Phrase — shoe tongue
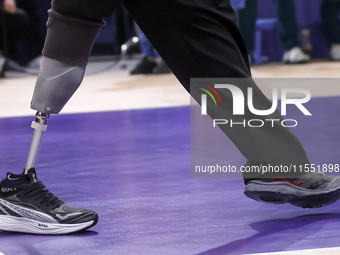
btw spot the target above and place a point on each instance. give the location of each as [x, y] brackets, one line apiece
[30, 176]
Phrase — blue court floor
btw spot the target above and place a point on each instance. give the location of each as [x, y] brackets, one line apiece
[132, 167]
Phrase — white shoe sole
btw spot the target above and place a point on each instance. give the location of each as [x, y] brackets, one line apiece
[282, 192]
[23, 225]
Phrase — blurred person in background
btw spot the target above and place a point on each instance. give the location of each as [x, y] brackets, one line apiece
[287, 24]
[32, 41]
[21, 23]
[330, 12]
[13, 23]
[151, 62]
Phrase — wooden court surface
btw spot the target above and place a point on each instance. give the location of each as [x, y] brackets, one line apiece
[115, 89]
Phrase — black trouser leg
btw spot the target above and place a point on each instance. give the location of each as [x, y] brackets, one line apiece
[200, 38]
[73, 27]
[197, 38]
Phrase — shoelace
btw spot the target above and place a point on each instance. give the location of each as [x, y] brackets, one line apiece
[40, 193]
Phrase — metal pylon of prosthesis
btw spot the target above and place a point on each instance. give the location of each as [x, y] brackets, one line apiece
[39, 126]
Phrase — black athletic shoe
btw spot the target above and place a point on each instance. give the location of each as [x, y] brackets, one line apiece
[313, 191]
[27, 206]
[146, 66]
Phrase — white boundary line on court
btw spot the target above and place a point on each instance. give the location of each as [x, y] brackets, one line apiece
[321, 251]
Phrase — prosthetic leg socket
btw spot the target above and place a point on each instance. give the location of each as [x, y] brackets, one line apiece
[56, 83]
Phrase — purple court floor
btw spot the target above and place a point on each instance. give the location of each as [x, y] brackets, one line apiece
[132, 167]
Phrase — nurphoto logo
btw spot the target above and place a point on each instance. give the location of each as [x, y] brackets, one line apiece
[241, 102]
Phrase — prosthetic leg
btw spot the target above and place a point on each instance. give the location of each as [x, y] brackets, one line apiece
[55, 85]
[36, 210]
[66, 51]
[72, 29]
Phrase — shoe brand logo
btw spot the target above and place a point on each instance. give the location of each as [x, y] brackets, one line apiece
[42, 225]
[12, 179]
[5, 190]
[67, 215]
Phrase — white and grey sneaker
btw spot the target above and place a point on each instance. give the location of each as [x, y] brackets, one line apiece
[335, 52]
[313, 190]
[26, 206]
[295, 56]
